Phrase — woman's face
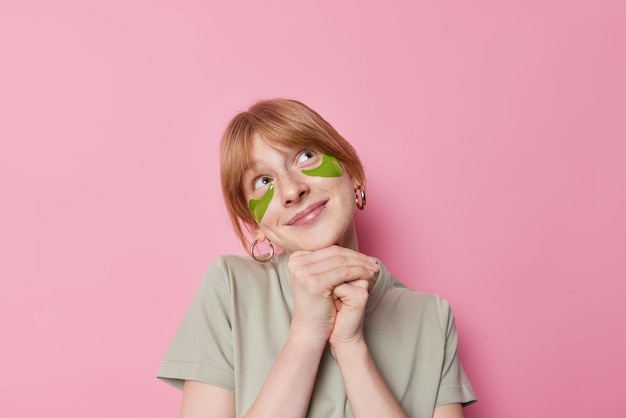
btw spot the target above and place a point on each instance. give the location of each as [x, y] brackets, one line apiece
[301, 198]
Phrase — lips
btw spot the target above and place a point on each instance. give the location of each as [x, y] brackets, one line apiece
[308, 215]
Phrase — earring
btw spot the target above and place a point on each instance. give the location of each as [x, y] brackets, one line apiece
[360, 198]
[267, 258]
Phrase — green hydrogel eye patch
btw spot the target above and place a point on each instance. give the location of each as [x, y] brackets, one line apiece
[258, 207]
[330, 167]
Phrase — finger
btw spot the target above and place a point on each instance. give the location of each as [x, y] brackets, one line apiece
[359, 284]
[314, 264]
[343, 274]
[330, 253]
[351, 296]
[363, 284]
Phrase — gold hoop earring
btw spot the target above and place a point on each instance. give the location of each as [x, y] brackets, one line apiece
[261, 260]
[359, 194]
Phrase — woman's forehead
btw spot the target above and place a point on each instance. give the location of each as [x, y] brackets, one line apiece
[284, 146]
[256, 152]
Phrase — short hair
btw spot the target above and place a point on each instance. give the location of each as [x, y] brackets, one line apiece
[283, 122]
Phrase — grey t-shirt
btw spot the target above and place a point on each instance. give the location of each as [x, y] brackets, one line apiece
[240, 318]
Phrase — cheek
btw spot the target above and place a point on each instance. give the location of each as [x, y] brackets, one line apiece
[259, 207]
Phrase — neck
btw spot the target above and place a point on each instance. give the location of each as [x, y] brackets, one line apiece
[350, 239]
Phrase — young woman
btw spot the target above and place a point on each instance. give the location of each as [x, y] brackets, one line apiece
[320, 330]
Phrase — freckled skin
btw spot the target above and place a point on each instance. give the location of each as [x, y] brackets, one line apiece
[259, 206]
[330, 167]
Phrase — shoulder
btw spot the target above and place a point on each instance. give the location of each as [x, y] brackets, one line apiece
[422, 306]
[242, 265]
[400, 293]
[434, 303]
[428, 301]
[232, 269]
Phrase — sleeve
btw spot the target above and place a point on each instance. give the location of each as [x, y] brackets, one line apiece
[202, 349]
[454, 386]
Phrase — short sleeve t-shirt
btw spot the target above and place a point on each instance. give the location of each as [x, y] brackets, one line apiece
[241, 315]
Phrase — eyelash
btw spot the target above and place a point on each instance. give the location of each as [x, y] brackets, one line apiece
[256, 181]
[307, 152]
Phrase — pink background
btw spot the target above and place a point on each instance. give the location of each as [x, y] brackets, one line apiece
[493, 134]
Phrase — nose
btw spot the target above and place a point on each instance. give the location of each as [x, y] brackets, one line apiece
[293, 189]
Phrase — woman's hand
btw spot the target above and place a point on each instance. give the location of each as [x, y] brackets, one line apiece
[330, 288]
[350, 304]
[314, 276]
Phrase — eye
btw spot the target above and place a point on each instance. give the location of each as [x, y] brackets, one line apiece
[261, 182]
[305, 156]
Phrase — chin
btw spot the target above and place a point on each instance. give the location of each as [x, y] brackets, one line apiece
[313, 239]
[318, 245]
[310, 245]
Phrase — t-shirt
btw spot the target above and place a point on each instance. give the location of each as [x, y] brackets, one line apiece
[241, 315]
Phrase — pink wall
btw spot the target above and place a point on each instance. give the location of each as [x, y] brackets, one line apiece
[493, 132]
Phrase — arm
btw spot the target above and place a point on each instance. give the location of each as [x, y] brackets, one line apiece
[285, 392]
[287, 389]
[367, 391]
[453, 410]
[201, 400]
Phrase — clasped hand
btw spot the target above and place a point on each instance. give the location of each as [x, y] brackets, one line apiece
[330, 292]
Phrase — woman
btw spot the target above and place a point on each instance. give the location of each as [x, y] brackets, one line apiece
[320, 330]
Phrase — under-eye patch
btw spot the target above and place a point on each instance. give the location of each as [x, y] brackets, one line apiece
[330, 167]
[259, 206]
